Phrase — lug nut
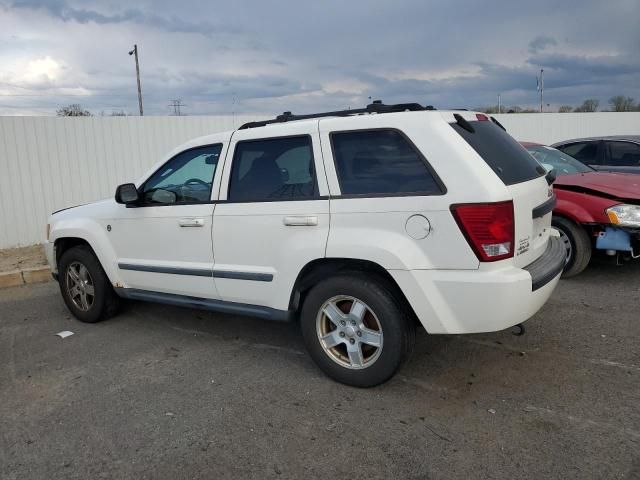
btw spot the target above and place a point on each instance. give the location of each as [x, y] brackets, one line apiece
[342, 334]
[343, 323]
[352, 341]
[353, 322]
[359, 333]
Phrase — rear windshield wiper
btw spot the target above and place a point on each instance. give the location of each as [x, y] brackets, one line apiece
[498, 123]
[463, 123]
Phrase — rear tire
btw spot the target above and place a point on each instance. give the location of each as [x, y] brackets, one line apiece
[85, 288]
[355, 330]
[578, 246]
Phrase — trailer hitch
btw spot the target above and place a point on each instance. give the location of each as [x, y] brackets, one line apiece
[519, 330]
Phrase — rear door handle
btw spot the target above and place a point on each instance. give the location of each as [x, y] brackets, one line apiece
[191, 222]
[300, 221]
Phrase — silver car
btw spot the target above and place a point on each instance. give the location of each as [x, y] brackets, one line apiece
[620, 153]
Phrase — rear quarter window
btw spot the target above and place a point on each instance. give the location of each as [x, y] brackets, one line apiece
[507, 158]
[381, 162]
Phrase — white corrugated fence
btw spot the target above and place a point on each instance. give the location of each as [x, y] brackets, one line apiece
[48, 163]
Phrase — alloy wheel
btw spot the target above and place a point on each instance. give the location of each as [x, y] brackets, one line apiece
[567, 245]
[80, 287]
[349, 332]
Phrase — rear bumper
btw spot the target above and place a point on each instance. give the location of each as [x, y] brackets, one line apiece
[475, 301]
[549, 265]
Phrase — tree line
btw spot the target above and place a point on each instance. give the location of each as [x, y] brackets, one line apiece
[617, 103]
[77, 110]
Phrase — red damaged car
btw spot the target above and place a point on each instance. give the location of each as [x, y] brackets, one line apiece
[595, 210]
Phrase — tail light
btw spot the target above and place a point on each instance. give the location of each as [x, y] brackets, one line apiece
[488, 227]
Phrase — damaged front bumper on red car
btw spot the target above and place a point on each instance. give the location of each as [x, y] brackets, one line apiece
[617, 239]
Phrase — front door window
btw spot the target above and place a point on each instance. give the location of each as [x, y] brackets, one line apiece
[186, 178]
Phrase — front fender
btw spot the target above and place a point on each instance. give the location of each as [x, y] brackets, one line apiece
[95, 234]
[582, 208]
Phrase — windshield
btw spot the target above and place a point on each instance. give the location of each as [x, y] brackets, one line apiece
[562, 163]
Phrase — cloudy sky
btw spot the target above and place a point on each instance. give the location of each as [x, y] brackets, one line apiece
[274, 55]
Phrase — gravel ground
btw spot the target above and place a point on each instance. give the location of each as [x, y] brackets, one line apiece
[163, 392]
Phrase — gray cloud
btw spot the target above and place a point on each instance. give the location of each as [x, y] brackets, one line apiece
[541, 42]
[62, 10]
[588, 68]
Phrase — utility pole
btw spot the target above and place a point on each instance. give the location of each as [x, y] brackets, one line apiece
[540, 81]
[135, 53]
[233, 109]
[499, 104]
[176, 104]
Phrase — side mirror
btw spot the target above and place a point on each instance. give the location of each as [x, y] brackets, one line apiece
[127, 193]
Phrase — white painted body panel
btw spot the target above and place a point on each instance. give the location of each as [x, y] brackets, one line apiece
[152, 237]
[88, 222]
[483, 300]
[532, 234]
[252, 238]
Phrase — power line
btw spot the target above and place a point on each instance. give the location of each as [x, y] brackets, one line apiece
[176, 104]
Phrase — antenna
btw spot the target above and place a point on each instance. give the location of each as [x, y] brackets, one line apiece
[176, 104]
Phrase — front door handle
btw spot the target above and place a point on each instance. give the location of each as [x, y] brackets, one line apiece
[300, 221]
[191, 222]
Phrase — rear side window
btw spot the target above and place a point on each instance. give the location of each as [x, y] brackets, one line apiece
[275, 169]
[508, 159]
[586, 152]
[370, 162]
[624, 154]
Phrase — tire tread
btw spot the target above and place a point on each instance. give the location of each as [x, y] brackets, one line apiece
[580, 243]
[110, 302]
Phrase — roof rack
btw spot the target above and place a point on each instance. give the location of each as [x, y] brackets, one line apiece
[375, 107]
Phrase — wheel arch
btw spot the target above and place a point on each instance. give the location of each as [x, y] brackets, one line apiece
[63, 244]
[322, 268]
[568, 218]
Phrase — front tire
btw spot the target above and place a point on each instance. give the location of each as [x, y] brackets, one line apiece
[356, 330]
[576, 242]
[85, 288]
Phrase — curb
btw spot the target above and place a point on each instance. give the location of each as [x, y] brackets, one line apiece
[16, 278]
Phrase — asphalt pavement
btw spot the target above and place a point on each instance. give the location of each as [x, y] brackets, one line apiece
[165, 393]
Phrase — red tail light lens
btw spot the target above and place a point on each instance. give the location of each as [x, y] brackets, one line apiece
[488, 227]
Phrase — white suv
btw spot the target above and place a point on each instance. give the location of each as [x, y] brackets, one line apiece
[362, 224]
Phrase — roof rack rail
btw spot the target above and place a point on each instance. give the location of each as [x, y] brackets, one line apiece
[375, 107]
